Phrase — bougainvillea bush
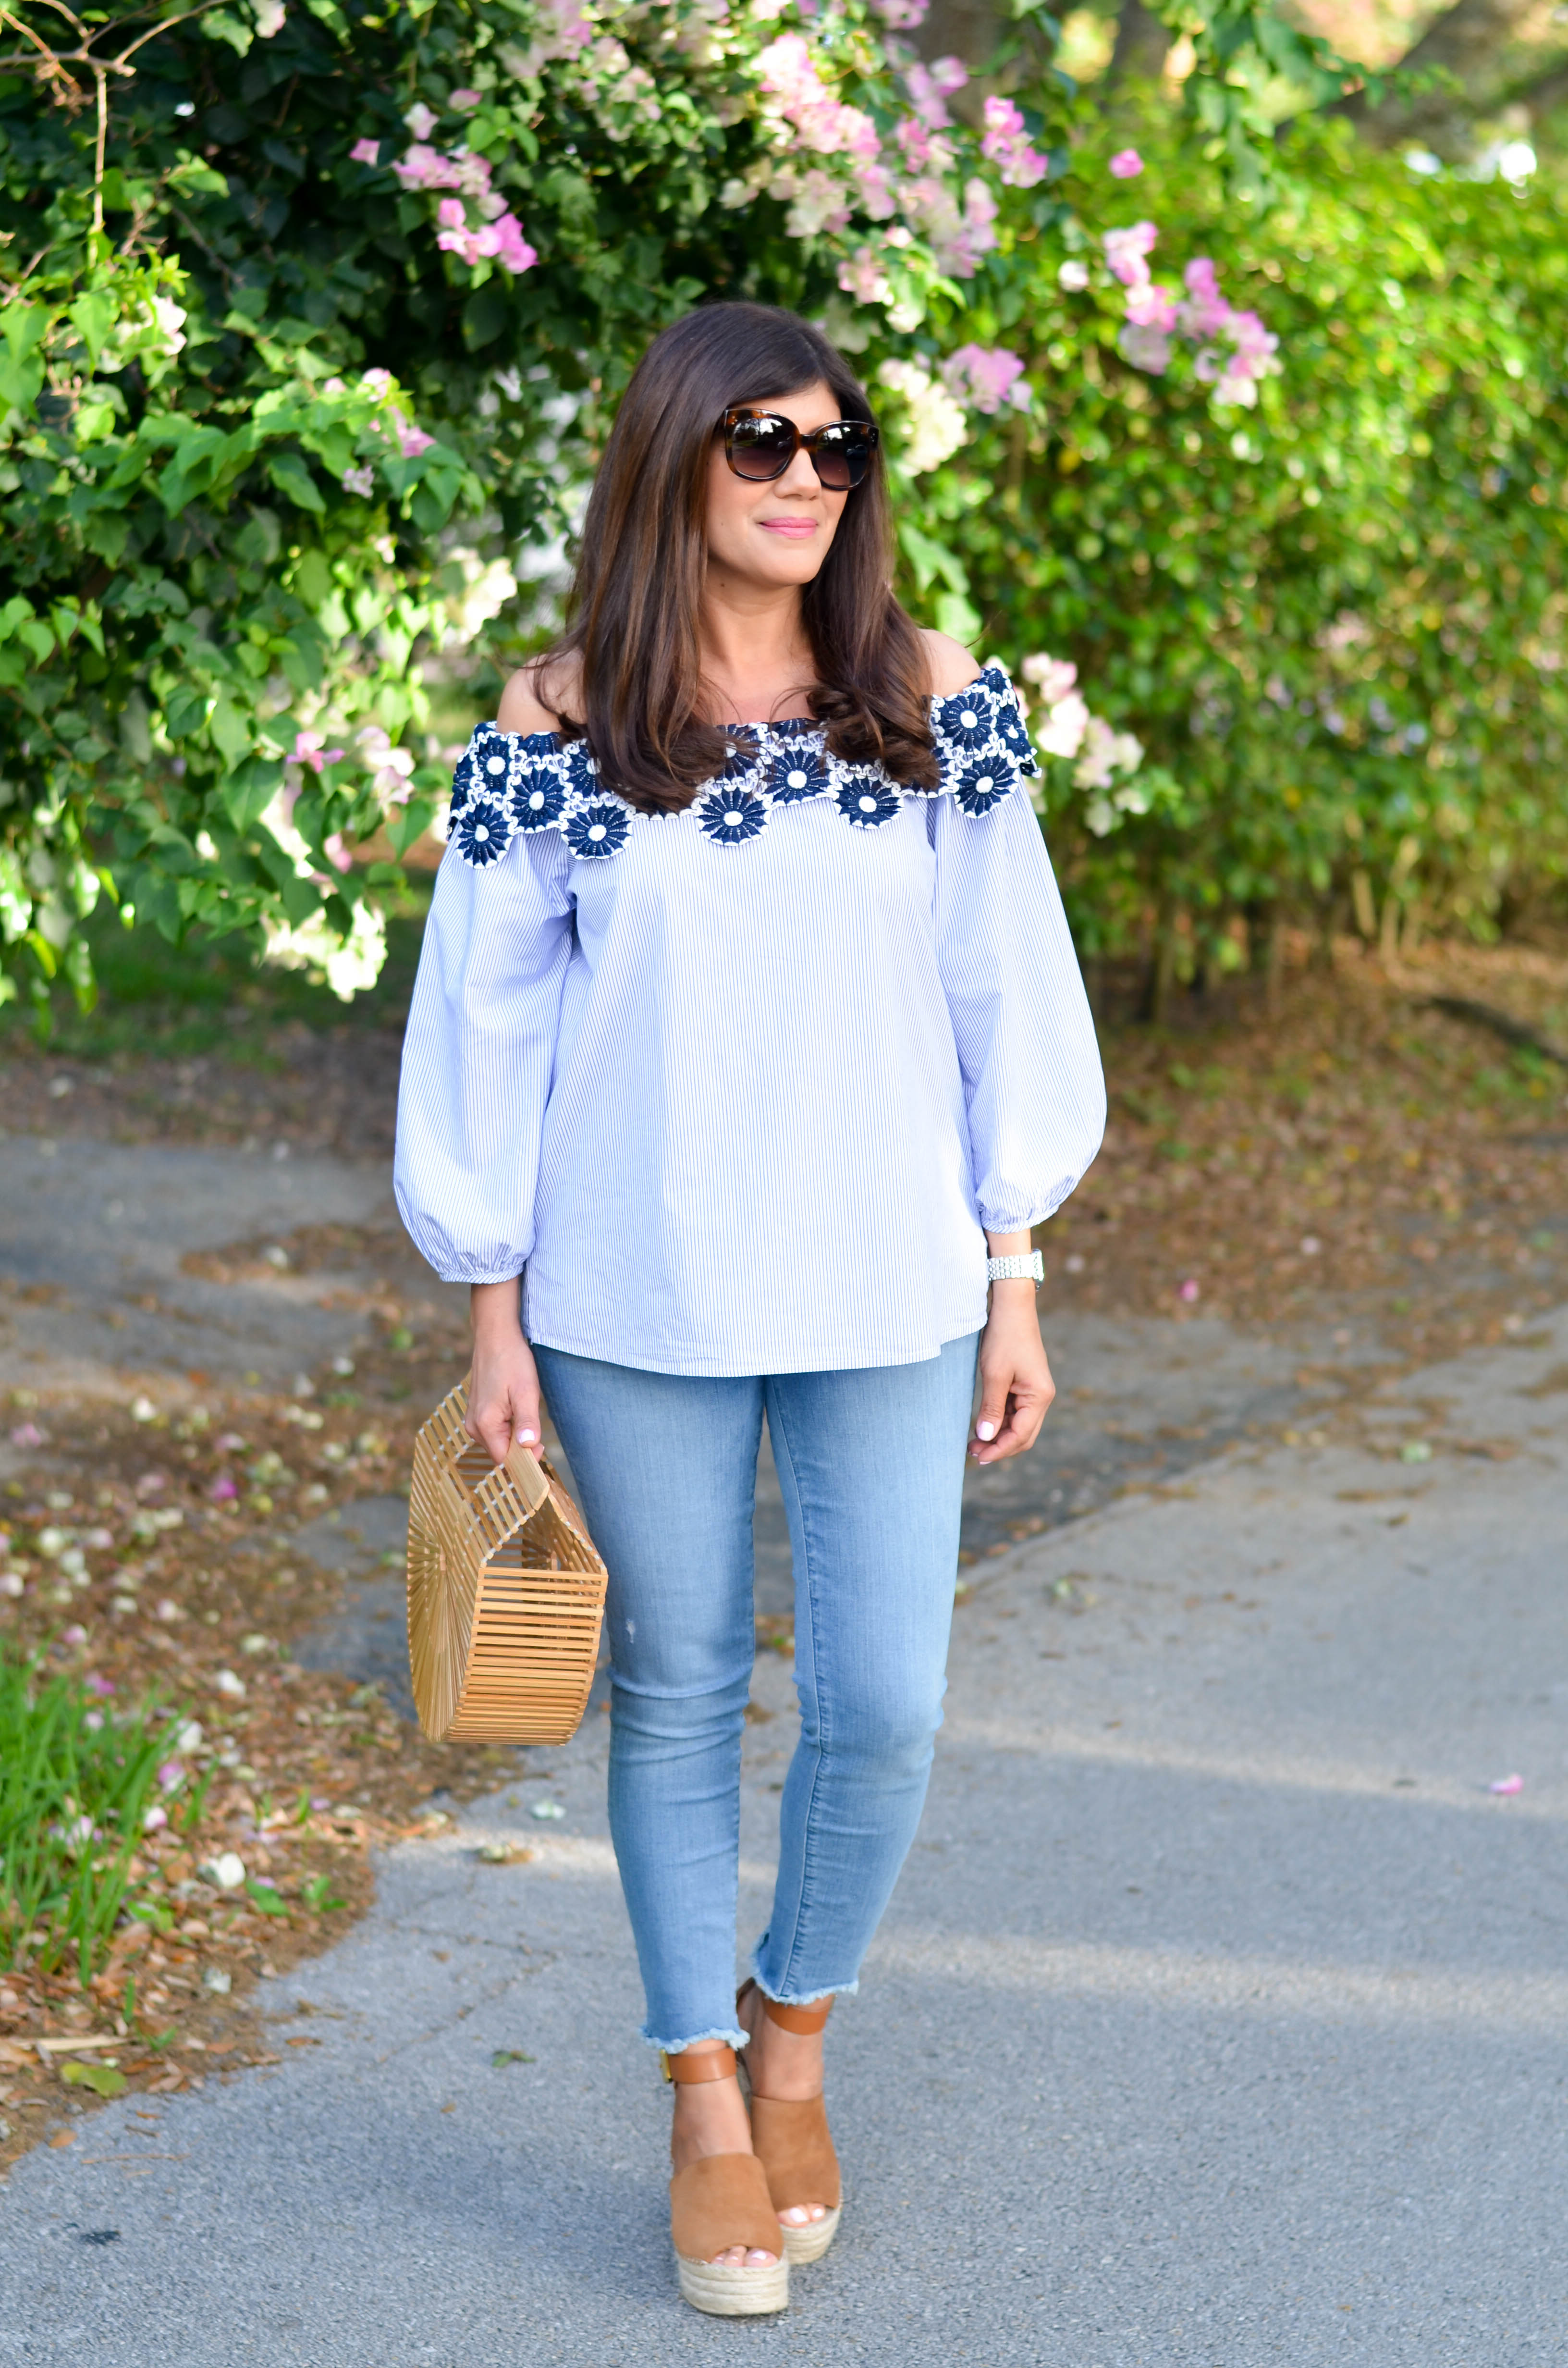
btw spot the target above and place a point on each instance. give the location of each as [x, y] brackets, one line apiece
[1286, 513]
[313, 323]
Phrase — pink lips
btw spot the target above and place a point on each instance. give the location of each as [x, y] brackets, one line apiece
[797, 529]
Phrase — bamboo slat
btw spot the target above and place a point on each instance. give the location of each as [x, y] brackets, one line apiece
[505, 1592]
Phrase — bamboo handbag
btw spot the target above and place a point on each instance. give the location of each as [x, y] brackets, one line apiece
[505, 1592]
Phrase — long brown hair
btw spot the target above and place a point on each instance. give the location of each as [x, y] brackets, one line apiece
[634, 605]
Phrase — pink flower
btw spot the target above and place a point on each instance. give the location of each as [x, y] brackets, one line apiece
[876, 198]
[1206, 312]
[1150, 307]
[171, 1775]
[27, 1434]
[1189, 1290]
[75, 1635]
[862, 277]
[501, 238]
[377, 383]
[931, 86]
[977, 238]
[1126, 165]
[512, 250]
[789, 72]
[101, 1686]
[987, 377]
[463, 101]
[224, 1489]
[365, 152]
[922, 148]
[1053, 677]
[410, 442]
[155, 1819]
[1125, 251]
[426, 168]
[1007, 146]
[336, 854]
[308, 750]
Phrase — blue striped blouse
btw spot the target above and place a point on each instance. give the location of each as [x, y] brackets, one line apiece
[737, 1089]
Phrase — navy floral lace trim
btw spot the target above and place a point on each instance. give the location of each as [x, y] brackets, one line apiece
[511, 781]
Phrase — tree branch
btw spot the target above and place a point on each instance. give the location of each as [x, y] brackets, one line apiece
[1142, 45]
[1471, 42]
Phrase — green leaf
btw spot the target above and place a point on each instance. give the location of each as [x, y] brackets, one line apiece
[104, 2080]
[267, 1898]
[485, 316]
[94, 315]
[186, 711]
[218, 25]
[930, 559]
[230, 731]
[957, 617]
[292, 479]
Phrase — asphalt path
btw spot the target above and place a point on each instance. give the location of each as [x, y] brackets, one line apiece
[1221, 2016]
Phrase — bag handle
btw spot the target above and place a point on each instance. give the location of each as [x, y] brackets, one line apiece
[521, 1467]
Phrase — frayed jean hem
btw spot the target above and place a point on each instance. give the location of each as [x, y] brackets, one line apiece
[801, 1998]
[733, 2037]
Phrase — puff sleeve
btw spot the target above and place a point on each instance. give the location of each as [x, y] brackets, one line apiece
[1033, 1085]
[479, 1056]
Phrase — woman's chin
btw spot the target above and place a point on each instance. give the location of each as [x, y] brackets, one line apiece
[785, 565]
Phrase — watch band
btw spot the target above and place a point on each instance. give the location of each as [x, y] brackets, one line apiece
[1007, 1270]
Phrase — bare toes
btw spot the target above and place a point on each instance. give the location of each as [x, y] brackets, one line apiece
[759, 2260]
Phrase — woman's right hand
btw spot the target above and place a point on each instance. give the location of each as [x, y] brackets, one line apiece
[503, 1383]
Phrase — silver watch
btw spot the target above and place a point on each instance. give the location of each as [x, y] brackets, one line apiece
[1006, 1269]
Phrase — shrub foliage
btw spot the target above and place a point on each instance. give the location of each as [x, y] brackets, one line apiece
[313, 319]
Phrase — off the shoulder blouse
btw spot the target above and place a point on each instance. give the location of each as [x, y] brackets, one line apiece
[736, 1090]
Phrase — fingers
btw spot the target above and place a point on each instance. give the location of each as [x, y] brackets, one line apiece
[993, 1410]
[1013, 1404]
[501, 1414]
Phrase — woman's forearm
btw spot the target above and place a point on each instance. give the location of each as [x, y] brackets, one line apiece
[503, 1386]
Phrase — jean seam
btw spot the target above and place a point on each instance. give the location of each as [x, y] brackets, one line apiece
[780, 1438]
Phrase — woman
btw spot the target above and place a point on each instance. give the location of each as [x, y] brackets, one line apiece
[746, 1022]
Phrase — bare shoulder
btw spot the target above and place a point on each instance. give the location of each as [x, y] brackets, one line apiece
[952, 666]
[540, 694]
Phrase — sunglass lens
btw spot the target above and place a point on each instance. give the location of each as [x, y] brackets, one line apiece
[842, 457]
[760, 448]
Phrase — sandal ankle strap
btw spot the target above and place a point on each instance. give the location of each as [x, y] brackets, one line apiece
[713, 2063]
[801, 2019]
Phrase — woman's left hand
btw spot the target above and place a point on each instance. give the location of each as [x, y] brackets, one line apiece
[1016, 1387]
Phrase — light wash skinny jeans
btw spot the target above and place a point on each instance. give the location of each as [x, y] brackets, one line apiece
[871, 1467]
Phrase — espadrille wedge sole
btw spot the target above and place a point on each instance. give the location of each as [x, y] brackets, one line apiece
[718, 2201]
[724, 2292]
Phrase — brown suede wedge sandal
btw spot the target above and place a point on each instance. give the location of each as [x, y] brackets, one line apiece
[719, 2201]
[794, 2143]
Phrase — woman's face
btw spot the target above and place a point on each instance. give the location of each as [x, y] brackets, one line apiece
[776, 534]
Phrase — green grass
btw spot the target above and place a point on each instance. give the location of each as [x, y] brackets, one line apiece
[211, 996]
[78, 1777]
